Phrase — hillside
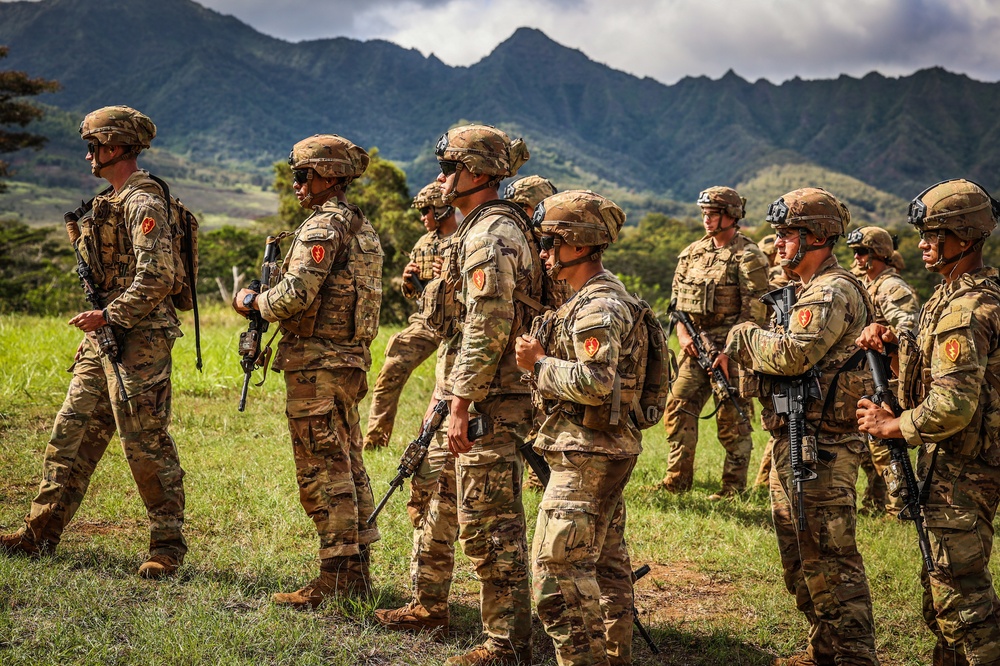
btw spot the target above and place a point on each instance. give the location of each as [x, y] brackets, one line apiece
[227, 96]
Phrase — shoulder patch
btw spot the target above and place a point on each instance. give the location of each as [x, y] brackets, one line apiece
[952, 349]
[592, 345]
[148, 224]
[804, 316]
[318, 252]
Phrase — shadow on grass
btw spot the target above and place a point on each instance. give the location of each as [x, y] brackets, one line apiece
[751, 509]
[685, 648]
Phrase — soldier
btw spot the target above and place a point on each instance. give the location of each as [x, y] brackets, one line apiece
[949, 391]
[718, 280]
[822, 566]
[127, 243]
[327, 305]
[896, 306]
[585, 372]
[499, 280]
[411, 346]
[528, 192]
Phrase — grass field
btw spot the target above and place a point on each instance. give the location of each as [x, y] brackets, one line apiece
[715, 595]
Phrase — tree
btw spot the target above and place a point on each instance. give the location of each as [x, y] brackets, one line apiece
[15, 112]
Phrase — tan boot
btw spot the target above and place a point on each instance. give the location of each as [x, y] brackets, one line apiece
[412, 617]
[488, 654]
[19, 543]
[799, 659]
[338, 577]
[158, 566]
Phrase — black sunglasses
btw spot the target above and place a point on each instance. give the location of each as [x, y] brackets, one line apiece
[449, 167]
[300, 176]
[424, 210]
[93, 147]
[861, 251]
[546, 243]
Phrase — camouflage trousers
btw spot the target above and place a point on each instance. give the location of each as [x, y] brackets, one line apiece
[688, 396]
[433, 510]
[405, 351]
[582, 576]
[876, 499]
[89, 417]
[491, 520]
[334, 489]
[960, 603]
[764, 472]
[822, 566]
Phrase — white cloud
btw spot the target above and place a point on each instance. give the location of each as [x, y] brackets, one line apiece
[670, 39]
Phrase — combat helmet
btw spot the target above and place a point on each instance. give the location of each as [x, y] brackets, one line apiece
[809, 209]
[482, 149]
[117, 126]
[725, 199]
[874, 239]
[960, 206]
[430, 196]
[529, 191]
[579, 218]
[329, 156]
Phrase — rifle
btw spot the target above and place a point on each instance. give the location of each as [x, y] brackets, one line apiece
[250, 339]
[903, 482]
[790, 398]
[706, 356]
[415, 452]
[636, 575]
[416, 283]
[107, 341]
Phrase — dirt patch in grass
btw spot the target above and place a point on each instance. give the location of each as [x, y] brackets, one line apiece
[88, 528]
[678, 592]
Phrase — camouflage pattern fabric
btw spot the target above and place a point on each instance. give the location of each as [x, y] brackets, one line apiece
[776, 278]
[405, 350]
[433, 510]
[427, 248]
[822, 566]
[764, 471]
[718, 287]
[334, 489]
[952, 415]
[89, 417]
[897, 304]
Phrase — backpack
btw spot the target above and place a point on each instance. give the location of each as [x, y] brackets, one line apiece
[654, 371]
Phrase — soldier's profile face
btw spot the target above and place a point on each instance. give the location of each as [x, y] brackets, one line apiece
[711, 218]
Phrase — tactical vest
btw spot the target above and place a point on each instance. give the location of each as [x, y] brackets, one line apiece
[709, 287]
[427, 249]
[437, 300]
[982, 436]
[346, 309]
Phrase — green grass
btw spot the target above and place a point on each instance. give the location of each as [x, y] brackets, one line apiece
[715, 596]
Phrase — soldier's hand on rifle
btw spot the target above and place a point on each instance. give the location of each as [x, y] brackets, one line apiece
[722, 363]
[686, 343]
[412, 268]
[877, 421]
[88, 321]
[240, 302]
[458, 427]
[875, 335]
[527, 351]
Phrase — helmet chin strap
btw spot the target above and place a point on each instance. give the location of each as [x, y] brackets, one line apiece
[800, 254]
[455, 194]
[322, 196]
[718, 230]
[99, 166]
[557, 265]
[444, 214]
[943, 261]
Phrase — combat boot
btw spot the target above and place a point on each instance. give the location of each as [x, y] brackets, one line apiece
[412, 617]
[799, 659]
[338, 577]
[20, 543]
[489, 654]
[159, 566]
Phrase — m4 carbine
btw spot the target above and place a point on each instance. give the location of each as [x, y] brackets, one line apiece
[251, 355]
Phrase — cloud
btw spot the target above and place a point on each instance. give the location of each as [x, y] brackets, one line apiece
[670, 39]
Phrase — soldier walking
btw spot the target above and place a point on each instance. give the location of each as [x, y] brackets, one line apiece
[718, 281]
[127, 244]
[327, 305]
[950, 393]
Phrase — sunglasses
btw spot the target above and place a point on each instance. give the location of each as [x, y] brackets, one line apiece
[449, 167]
[861, 251]
[300, 176]
[546, 243]
[93, 147]
[424, 210]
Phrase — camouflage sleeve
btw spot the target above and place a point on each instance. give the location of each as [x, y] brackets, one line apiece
[753, 284]
[146, 216]
[491, 263]
[309, 260]
[598, 330]
[958, 366]
[900, 304]
[819, 319]
[681, 270]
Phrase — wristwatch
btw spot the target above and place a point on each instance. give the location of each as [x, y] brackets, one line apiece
[538, 366]
[248, 300]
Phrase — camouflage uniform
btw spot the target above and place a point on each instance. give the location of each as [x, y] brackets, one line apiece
[328, 317]
[897, 306]
[718, 287]
[955, 421]
[128, 245]
[406, 349]
[582, 572]
[822, 566]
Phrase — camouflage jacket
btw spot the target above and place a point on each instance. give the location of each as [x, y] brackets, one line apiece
[583, 353]
[719, 287]
[949, 399]
[127, 243]
[330, 291]
[896, 302]
[776, 278]
[427, 248]
[493, 259]
[828, 316]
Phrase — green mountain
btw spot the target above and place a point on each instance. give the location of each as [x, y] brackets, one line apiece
[224, 95]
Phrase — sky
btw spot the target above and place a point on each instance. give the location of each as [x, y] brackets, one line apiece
[669, 39]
